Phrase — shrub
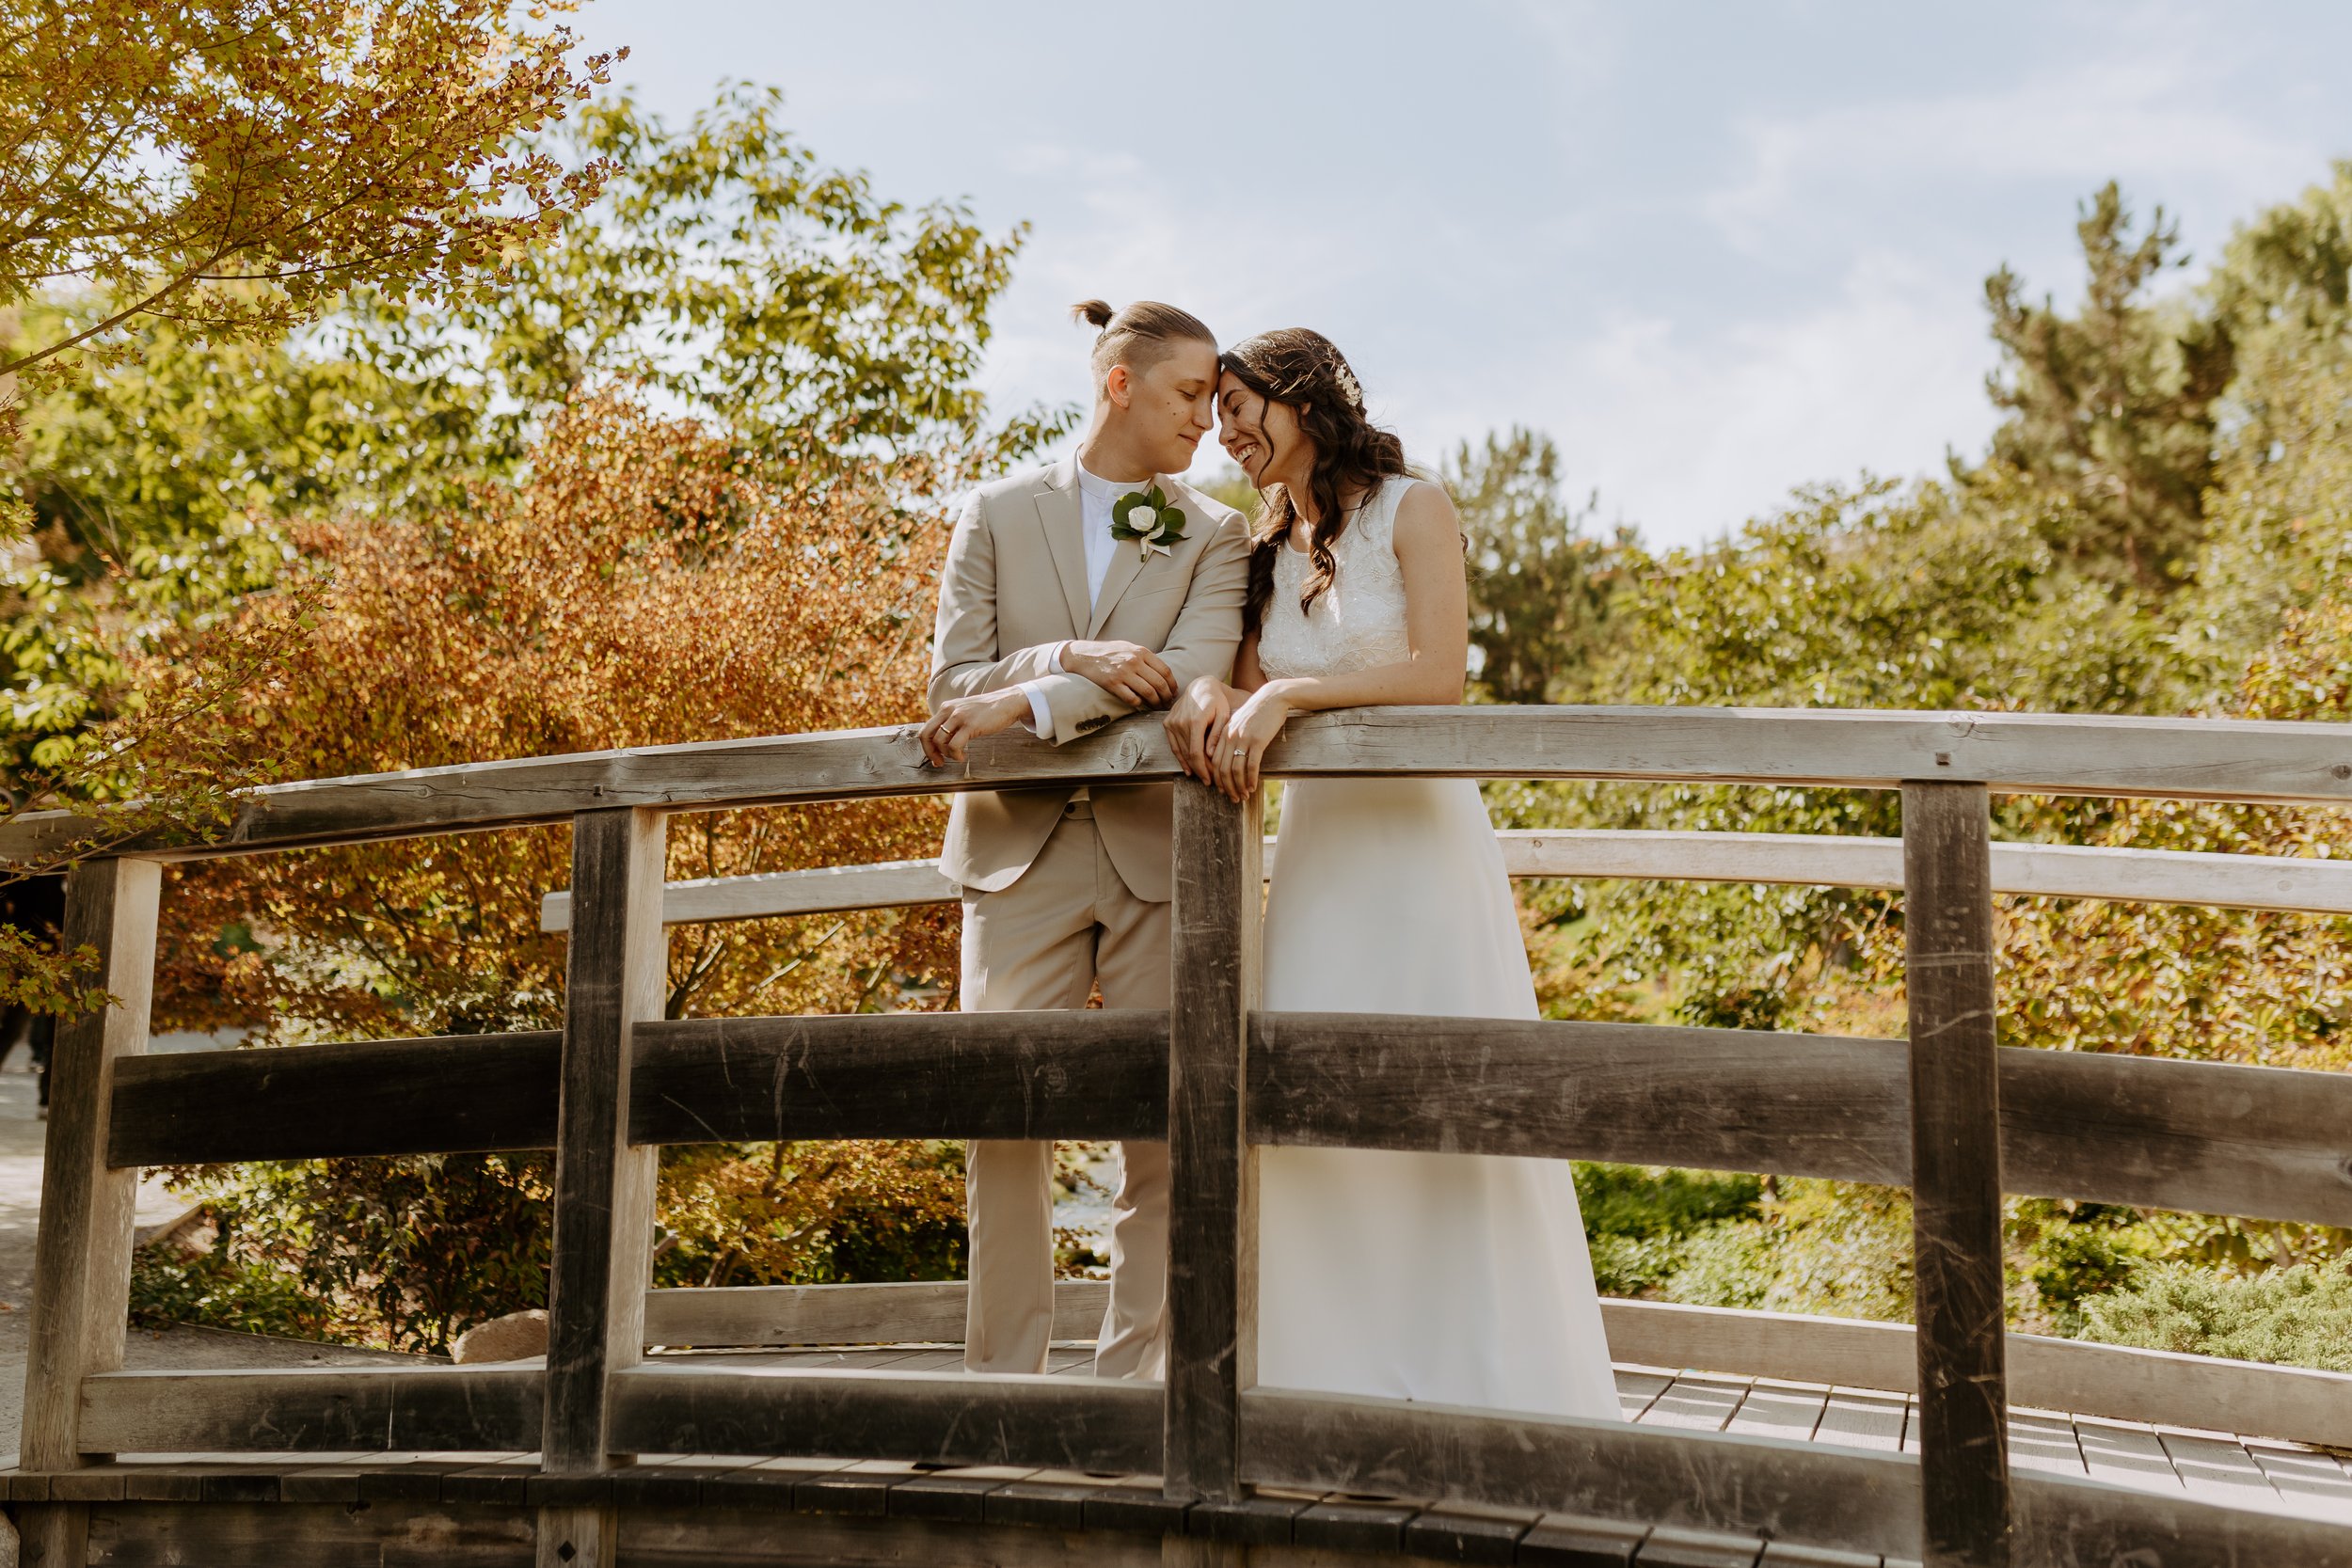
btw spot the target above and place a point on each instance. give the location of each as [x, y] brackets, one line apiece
[2299, 1316]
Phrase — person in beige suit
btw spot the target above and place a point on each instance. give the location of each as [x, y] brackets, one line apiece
[1053, 616]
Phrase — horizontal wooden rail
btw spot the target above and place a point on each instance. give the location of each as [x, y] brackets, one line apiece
[1095, 1074]
[1076, 1074]
[2297, 1404]
[2261, 1143]
[915, 1312]
[349, 1409]
[962, 1418]
[1807, 1494]
[449, 1094]
[2266, 1143]
[1804, 860]
[2078, 1376]
[2286, 763]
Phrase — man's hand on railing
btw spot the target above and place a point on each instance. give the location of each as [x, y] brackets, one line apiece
[960, 720]
[1128, 671]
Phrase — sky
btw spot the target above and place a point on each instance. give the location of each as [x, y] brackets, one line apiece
[1716, 251]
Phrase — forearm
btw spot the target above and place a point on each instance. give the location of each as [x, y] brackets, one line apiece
[978, 678]
[1411, 682]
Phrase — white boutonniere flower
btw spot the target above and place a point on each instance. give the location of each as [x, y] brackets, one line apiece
[1148, 519]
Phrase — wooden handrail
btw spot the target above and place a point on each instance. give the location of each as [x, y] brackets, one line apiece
[2209, 759]
[2296, 883]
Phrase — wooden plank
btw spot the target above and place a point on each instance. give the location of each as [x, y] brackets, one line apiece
[1696, 1404]
[2288, 763]
[734, 1538]
[2010, 753]
[445, 1094]
[2200, 1137]
[2310, 1483]
[1791, 1345]
[604, 1186]
[2218, 1470]
[1800, 1491]
[1637, 1390]
[2063, 1521]
[1719, 1099]
[773, 895]
[920, 1312]
[2046, 870]
[2045, 1442]
[958, 1420]
[366, 1408]
[1956, 1181]
[1098, 1074]
[81, 1250]
[1213, 1221]
[1862, 1419]
[2125, 1453]
[314, 1535]
[2131, 1383]
[2122, 1382]
[1805, 859]
[1777, 1408]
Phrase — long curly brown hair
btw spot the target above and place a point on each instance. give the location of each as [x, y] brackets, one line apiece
[1305, 371]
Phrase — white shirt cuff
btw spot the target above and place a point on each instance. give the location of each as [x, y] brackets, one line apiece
[1053, 660]
[1041, 716]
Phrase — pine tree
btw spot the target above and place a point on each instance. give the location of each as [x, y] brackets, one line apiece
[2111, 409]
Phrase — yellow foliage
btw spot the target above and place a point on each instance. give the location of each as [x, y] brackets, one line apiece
[638, 588]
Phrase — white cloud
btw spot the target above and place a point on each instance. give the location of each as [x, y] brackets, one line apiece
[2150, 114]
[1691, 435]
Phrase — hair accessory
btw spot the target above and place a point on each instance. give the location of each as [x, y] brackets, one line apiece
[1353, 394]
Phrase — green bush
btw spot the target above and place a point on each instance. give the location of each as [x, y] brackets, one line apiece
[2299, 1316]
[404, 1253]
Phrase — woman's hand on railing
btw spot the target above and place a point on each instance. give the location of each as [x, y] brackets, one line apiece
[1197, 723]
[1247, 733]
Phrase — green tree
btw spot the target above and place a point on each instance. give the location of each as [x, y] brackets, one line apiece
[732, 276]
[2111, 410]
[1541, 587]
[239, 165]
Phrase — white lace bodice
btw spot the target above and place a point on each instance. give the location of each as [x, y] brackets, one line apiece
[1358, 623]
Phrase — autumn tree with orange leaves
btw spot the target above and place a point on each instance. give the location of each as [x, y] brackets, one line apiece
[640, 587]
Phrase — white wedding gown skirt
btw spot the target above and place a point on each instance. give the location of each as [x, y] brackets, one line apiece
[1451, 1278]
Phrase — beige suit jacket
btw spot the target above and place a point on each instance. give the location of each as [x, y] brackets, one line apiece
[1015, 585]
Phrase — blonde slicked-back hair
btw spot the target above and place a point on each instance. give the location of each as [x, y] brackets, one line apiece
[1140, 336]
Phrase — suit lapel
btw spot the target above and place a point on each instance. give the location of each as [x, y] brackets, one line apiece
[1126, 563]
[1064, 521]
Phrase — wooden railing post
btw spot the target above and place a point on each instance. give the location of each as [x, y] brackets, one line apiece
[82, 1254]
[604, 1189]
[1956, 1175]
[1212, 1222]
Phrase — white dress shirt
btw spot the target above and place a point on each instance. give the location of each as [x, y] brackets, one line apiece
[1096, 496]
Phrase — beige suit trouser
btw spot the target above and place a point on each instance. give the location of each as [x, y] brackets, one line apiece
[1068, 924]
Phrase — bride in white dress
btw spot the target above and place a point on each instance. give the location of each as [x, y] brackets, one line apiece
[1451, 1278]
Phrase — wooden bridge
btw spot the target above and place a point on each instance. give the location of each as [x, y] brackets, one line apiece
[1757, 1439]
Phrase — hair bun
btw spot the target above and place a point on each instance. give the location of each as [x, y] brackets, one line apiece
[1096, 313]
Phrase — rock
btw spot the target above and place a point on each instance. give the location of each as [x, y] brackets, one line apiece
[514, 1337]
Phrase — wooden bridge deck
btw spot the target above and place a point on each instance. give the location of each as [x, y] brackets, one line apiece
[2235, 1469]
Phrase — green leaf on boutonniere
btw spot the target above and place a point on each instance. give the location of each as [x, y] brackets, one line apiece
[1148, 519]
